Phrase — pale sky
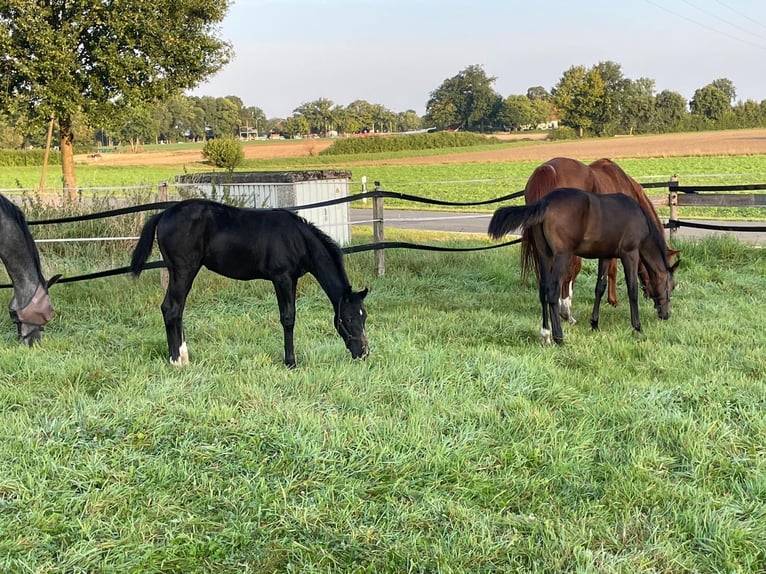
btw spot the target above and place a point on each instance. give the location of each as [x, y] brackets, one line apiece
[396, 52]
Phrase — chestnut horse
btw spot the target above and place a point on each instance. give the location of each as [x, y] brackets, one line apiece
[570, 222]
[603, 176]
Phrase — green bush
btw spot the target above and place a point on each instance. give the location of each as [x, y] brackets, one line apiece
[563, 133]
[389, 143]
[224, 152]
[23, 157]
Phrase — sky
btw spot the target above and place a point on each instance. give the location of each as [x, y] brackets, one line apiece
[396, 52]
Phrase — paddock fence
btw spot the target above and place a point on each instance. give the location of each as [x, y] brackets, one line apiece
[677, 198]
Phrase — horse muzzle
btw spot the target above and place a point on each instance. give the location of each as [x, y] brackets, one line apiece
[31, 318]
[359, 348]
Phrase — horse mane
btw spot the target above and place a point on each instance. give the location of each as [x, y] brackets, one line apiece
[623, 183]
[14, 212]
[325, 240]
[656, 235]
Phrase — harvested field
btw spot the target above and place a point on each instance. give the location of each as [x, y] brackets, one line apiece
[728, 142]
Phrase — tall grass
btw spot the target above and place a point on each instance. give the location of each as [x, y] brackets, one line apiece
[460, 445]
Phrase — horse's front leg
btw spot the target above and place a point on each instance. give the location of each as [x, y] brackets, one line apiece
[630, 264]
[601, 282]
[611, 274]
[285, 288]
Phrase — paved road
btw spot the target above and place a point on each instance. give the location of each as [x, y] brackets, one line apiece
[478, 222]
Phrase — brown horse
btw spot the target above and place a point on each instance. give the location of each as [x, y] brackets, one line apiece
[603, 176]
[570, 222]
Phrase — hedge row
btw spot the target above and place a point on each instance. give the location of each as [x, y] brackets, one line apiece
[404, 142]
[23, 157]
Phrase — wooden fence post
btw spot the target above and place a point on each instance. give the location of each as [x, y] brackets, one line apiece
[378, 232]
[673, 202]
[162, 193]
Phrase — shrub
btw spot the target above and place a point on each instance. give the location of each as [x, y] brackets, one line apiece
[21, 158]
[390, 143]
[224, 152]
[563, 133]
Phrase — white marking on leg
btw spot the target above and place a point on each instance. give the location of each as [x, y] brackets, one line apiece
[545, 336]
[565, 306]
[183, 356]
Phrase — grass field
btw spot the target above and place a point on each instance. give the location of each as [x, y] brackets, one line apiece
[460, 445]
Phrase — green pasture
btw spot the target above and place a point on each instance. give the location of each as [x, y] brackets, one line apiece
[460, 445]
[462, 182]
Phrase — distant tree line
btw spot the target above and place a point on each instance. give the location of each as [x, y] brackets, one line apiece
[596, 101]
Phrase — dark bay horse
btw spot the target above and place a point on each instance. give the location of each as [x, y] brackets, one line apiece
[30, 308]
[246, 244]
[603, 176]
[570, 222]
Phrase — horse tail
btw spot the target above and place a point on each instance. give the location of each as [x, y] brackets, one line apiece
[144, 246]
[507, 219]
[540, 183]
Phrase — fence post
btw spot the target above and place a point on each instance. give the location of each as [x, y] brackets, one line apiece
[378, 232]
[162, 192]
[673, 202]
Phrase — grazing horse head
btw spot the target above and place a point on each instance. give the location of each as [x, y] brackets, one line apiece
[350, 318]
[31, 318]
[30, 307]
[659, 287]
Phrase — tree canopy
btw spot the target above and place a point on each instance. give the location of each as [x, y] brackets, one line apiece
[61, 58]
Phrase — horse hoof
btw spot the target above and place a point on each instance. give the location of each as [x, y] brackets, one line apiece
[594, 325]
[545, 337]
[558, 340]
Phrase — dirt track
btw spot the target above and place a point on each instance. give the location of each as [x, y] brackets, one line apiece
[730, 142]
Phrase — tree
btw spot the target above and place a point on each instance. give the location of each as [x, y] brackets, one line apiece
[710, 103]
[610, 109]
[538, 93]
[670, 109]
[408, 121]
[64, 57]
[320, 115]
[577, 96]
[295, 125]
[466, 99]
[726, 86]
[517, 112]
[637, 107]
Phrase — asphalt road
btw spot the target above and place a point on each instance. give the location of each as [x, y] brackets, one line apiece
[477, 223]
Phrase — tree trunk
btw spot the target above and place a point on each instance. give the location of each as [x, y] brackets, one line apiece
[67, 157]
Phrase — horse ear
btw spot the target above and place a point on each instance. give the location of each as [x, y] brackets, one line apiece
[364, 292]
[53, 280]
[673, 252]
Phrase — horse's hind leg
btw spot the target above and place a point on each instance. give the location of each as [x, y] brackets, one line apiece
[285, 289]
[559, 268]
[611, 275]
[545, 331]
[601, 283]
[172, 307]
[567, 290]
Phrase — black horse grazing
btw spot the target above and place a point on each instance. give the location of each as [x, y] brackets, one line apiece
[246, 244]
[30, 308]
[571, 222]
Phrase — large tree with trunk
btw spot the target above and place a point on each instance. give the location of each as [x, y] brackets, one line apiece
[63, 58]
